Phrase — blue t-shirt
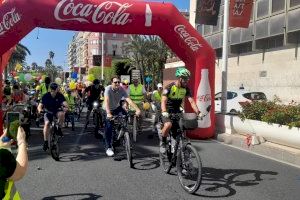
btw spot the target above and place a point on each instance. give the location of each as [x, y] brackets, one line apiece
[53, 104]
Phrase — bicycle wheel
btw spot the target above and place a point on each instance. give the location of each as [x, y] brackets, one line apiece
[128, 148]
[53, 144]
[189, 168]
[134, 128]
[166, 160]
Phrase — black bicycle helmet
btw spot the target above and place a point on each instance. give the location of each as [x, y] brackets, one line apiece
[47, 80]
[53, 86]
[96, 82]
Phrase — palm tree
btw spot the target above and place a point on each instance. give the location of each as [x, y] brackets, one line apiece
[149, 54]
[51, 56]
[18, 56]
[34, 66]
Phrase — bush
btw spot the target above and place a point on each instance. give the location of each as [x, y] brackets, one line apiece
[272, 112]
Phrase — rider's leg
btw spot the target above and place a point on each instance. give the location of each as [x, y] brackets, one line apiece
[167, 125]
[88, 116]
[108, 137]
[61, 118]
[46, 131]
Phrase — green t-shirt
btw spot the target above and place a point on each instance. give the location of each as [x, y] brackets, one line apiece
[8, 165]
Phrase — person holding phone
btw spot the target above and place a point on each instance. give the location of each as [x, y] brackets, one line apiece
[53, 102]
[12, 169]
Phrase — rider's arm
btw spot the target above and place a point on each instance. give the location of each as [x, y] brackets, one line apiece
[106, 103]
[40, 107]
[164, 100]
[131, 103]
[194, 105]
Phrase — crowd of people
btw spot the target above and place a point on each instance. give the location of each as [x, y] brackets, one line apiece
[53, 100]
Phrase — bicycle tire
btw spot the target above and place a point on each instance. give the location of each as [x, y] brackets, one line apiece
[190, 172]
[97, 125]
[134, 127]
[166, 160]
[53, 144]
[128, 148]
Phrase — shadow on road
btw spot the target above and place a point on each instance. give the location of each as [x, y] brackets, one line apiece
[218, 183]
[81, 196]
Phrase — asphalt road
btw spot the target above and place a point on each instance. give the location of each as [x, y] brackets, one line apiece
[85, 172]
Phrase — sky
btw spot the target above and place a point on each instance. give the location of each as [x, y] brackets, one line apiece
[41, 41]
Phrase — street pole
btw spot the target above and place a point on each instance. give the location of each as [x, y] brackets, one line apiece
[225, 58]
[102, 55]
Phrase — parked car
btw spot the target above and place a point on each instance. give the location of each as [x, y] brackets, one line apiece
[235, 99]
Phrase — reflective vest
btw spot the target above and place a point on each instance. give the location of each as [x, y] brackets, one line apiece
[156, 96]
[43, 90]
[71, 101]
[136, 93]
[11, 192]
[177, 93]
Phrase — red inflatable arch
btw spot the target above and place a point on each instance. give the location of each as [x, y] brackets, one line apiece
[19, 17]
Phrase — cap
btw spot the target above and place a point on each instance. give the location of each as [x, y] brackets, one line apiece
[159, 85]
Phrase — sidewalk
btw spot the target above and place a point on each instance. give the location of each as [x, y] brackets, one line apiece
[269, 150]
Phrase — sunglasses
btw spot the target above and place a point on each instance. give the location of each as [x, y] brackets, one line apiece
[117, 82]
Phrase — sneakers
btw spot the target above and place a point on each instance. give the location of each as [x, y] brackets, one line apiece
[109, 152]
[59, 132]
[45, 146]
[162, 148]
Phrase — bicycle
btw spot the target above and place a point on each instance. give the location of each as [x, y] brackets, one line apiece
[180, 153]
[53, 140]
[120, 127]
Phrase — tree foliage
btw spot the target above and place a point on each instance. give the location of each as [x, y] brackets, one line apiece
[148, 54]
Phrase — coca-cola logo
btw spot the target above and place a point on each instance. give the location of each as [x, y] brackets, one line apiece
[204, 98]
[238, 8]
[192, 42]
[67, 10]
[9, 20]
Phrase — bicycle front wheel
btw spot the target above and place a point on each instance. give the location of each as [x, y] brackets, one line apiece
[128, 148]
[54, 147]
[189, 168]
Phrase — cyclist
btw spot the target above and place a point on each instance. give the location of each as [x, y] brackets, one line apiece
[43, 88]
[138, 95]
[52, 101]
[156, 102]
[112, 98]
[172, 98]
[94, 92]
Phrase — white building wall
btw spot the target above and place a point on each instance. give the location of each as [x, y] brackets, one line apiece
[282, 74]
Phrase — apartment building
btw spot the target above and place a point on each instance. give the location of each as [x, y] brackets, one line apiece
[85, 49]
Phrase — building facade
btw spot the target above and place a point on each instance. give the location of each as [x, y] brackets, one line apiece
[263, 57]
[85, 49]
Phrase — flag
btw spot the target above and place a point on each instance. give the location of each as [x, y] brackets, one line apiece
[207, 12]
[240, 12]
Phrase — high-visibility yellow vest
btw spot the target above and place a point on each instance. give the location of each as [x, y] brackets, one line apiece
[156, 96]
[136, 93]
[11, 192]
[71, 101]
[43, 90]
[177, 93]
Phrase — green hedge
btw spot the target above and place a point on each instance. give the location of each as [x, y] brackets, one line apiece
[272, 112]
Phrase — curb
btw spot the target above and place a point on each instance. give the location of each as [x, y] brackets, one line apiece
[280, 153]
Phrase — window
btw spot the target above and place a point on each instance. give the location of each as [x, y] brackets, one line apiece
[97, 34]
[94, 51]
[114, 35]
[262, 8]
[294, 3]
[277, 5]
[125, 35]
[255, 96]
[207, 29]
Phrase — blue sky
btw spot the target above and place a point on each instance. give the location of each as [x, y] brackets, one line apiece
[57, 41]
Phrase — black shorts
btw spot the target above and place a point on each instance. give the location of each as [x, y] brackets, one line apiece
[175, 125]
